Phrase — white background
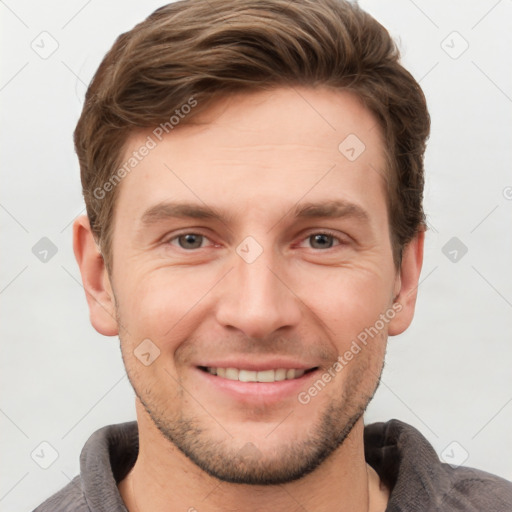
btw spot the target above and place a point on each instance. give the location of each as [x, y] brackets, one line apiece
[449, 375]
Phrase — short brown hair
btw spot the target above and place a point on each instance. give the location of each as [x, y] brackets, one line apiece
[205, 49]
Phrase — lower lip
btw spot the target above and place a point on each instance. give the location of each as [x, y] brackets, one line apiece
[268, 391]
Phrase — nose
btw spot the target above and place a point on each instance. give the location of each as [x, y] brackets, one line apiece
[257, 299]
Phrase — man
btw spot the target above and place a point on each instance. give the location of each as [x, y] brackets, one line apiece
[284, 142]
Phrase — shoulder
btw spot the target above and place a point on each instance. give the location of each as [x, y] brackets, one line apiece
[69, 499]
[475, 489]
[105, 459]
[418, 480]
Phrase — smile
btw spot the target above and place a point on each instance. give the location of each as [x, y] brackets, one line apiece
[272, 375]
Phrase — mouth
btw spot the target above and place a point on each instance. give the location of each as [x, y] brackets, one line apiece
[267, 376]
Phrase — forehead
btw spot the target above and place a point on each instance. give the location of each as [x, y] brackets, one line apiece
[319, 119]
[260, 149]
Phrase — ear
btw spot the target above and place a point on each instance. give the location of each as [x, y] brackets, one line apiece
[98, 290]
[406, 284]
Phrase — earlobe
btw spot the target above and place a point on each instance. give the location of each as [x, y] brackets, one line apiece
[95, 279]
[406, 284]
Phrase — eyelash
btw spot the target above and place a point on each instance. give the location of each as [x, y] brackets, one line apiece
[309, 235]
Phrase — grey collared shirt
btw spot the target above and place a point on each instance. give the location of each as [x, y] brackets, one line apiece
[405, 461]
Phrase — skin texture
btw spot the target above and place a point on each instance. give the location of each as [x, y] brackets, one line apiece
[256, 157]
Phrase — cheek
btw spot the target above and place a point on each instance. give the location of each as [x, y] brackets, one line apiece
[160, 303]
[169, 303]
[349, 301]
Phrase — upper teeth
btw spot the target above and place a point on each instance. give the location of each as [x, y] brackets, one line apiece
[257, 376]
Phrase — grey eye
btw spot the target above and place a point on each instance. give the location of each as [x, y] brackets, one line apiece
[323, 240]
[190, 241]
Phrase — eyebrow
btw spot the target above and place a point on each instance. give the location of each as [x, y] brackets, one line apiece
[328, 209]
[331, 209]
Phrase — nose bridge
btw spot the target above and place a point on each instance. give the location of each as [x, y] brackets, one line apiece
[256, 299]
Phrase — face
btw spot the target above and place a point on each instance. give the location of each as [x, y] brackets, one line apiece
[253, 245]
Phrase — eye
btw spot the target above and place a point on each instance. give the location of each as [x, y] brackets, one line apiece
[320, 240]
[188, 240]
[324, 240]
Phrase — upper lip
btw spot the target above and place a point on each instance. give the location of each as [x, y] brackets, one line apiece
[254, 365]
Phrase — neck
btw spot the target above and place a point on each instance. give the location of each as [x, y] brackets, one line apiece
[164, 479]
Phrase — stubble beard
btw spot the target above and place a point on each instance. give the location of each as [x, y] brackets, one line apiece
[293, 459]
